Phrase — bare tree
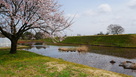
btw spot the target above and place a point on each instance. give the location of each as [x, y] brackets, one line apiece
[19, 16]
[115, 29]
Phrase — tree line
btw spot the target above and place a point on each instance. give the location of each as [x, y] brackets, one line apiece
[114, 29]
[32, 36]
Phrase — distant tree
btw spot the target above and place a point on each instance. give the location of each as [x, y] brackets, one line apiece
[101, 33]
[107, 33]
[78, 34]
[27, 36]
[115, 29]
[39, 35]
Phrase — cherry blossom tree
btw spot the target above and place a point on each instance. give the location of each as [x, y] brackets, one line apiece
[19, 16]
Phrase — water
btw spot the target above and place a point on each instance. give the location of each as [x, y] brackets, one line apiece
[98, 57]
[5, 42]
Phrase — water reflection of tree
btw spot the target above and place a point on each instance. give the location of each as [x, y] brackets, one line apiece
[27, 44]
[30, 47]
[40, 47]
[80, 52]
[113, 51]
[37, 45]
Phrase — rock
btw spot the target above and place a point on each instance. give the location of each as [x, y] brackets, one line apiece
[112, 61]
[128, 62]
[128, 65]
[133, 66]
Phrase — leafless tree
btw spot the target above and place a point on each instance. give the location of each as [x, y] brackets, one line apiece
[115, 29]
[19, 16]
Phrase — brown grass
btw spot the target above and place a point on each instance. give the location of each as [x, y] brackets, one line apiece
[79, 49]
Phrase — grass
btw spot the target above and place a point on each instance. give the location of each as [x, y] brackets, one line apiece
[19, 47]
[47, 40]
[28, 64]
[126, 40]
[123, 40]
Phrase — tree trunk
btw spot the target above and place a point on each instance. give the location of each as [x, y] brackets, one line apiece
[13, 49]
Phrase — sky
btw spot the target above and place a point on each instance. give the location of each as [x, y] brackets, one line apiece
[94, 16]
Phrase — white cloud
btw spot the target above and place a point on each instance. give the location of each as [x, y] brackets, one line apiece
[105, 8]
[93, 19]
[132, 4]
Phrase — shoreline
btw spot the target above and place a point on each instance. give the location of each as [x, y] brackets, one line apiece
[66, 44]
[23, 59]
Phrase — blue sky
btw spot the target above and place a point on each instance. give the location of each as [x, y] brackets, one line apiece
[93, 16]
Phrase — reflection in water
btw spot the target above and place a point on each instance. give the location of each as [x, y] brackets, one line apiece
[74, 51]
[39, 46]
[98, 57]
[79, 52]
[113, 51]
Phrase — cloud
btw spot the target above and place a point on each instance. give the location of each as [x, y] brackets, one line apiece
[132, 4]
[105, 8]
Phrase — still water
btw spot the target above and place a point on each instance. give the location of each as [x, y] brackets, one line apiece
[5, 42]
[98, 57]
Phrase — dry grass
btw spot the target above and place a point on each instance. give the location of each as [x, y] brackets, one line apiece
[82, 48]
[79, 49]
[59, 67]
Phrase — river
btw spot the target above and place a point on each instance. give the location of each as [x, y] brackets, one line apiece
[5, 42]
[97, 56]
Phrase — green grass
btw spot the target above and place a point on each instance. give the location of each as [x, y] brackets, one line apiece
[126, 40]
[19, 47]
[46, 40]
[28, 64]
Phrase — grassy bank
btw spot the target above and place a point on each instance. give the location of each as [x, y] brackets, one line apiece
[47, 41]
[28, 64]
[126, 40]
[19, 47]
